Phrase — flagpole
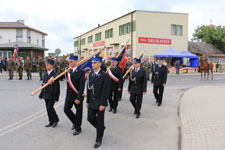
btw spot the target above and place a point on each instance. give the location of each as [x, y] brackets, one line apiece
[130, 68]
[119, 53]
[61, 74]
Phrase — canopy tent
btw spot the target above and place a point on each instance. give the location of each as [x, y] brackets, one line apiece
[187, 54]
[170, 53]
[193, 61]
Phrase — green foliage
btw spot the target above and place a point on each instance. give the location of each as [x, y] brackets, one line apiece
[214, 35]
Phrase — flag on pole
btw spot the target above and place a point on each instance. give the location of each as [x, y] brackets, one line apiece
[16, 49]
[87, 66]
[121, 59]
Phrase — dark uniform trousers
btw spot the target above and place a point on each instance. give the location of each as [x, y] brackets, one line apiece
[114, 94]
[136, 88]
[136, 101]
[78, 80]
[96, 118]
[51, 111]
[50, 94]
[96, 97]
[159, 77]
[158, 93]
[76, 119]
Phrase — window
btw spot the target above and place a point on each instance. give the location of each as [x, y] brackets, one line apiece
[37, 42]
[128, 27]
[173, 29]
[179, 30]
[19, 34]
[120, 29]
[133, 26]
[43, 41]
[76, 44]
[109, 33]
[176, 29]
[82, 42]
[28, 36]
[124, 29]
[90, 39]
[98, 36]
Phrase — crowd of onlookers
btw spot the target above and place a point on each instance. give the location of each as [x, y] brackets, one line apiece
[3, 63]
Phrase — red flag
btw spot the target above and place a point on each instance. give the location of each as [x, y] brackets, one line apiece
[122, 62]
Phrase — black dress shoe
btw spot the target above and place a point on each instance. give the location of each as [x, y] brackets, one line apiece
[110, 109]
[159, 104]
[138, 116]
[97, 144]
[76, 132]
[73, 127]
[114, 111]
[49, 125]
[54, 124]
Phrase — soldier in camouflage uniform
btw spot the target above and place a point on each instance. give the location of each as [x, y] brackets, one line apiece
[128, 64]
[41, 67]
[20, 67]
[28, 67]
[10, 67]
[61, 64]
[108, 63]
[56, 65]
[66, 63]
[147, 67]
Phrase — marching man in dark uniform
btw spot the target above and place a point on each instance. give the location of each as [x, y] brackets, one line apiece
[115, 74]
[97, 94]
[74, 94]
[159, 77]
[50, 94]
[137, 86]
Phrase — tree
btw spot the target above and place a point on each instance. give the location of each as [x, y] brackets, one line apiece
[211, 34]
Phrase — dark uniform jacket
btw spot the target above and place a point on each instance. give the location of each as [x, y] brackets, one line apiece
[97, 89]
[78, 80]
[159, 75]
[137, 81]
[51, 92]
[117, 72]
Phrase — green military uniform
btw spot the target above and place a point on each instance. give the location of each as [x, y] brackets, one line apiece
[61, 66]
[147, 67]
[66, 64]
[28, 68]
[57, 66]
[10, 68]
[41, 67]
[20, 69]
[205, 57]
[107, 64]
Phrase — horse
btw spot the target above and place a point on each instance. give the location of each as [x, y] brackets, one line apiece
[205, 67]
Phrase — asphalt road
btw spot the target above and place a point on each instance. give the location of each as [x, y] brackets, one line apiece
[22, 119]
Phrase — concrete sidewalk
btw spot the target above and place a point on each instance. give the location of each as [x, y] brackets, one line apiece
[202, 113]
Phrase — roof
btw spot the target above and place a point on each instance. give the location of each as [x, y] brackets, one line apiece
[202, 47]
[17, 25]
[170, 53]
[129, 14]
[22, 45]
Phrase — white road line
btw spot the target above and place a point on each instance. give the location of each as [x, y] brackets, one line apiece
[26, 120]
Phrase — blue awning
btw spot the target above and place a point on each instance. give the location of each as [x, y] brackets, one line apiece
[187, 54]
[170, 53]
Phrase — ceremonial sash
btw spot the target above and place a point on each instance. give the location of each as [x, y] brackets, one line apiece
[112, 76]
[70, 83]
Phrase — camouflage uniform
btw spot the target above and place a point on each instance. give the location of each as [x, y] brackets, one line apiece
[57, 66]
[20, 69]
[28, 68]
[107, 64]
[41, 67]
[147, 67]
[10, 68]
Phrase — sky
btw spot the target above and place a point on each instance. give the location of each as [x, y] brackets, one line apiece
[63, 20]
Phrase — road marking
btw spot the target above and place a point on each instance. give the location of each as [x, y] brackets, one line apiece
[27, 120]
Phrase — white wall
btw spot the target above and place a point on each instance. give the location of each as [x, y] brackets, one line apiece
[7, 34]
[36, 36]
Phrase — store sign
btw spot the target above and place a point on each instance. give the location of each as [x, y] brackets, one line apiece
[102, 43]
[154, 41]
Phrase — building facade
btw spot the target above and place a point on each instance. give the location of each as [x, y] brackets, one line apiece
[31, 41]
[147, 31]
